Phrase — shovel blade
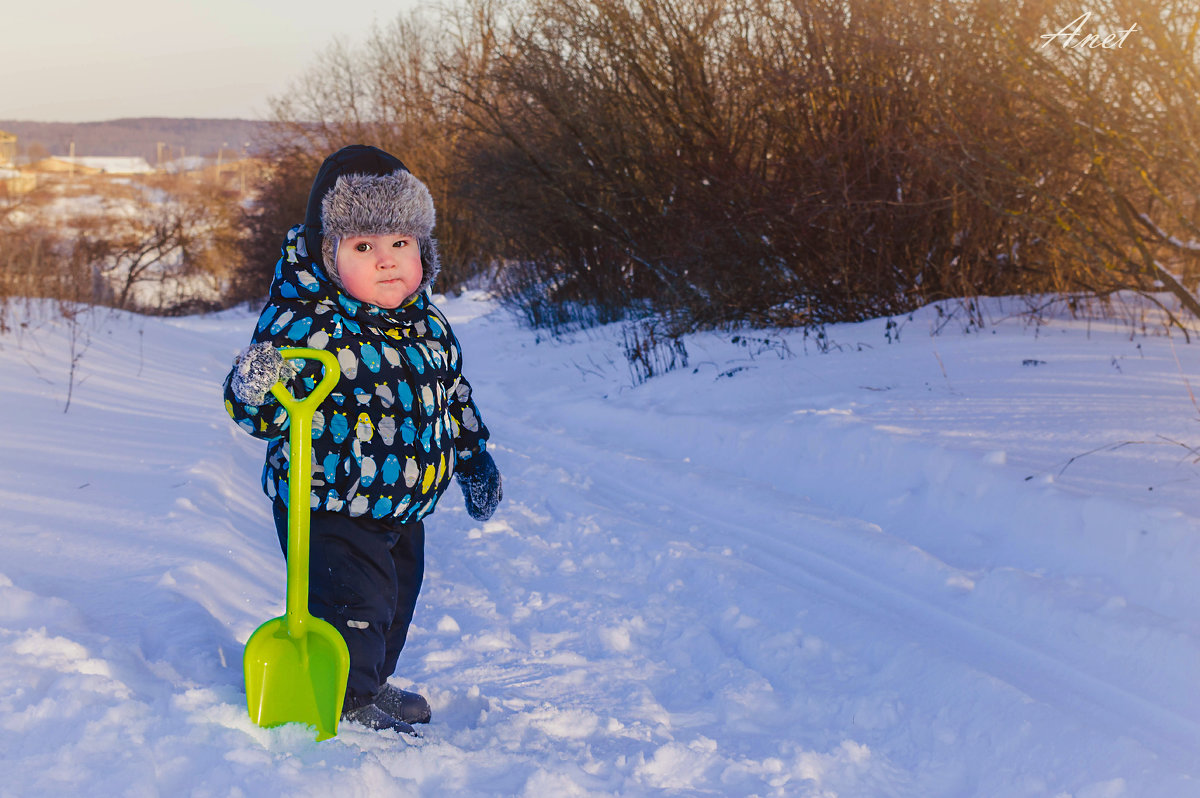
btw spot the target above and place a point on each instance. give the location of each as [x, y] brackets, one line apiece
[299, 679]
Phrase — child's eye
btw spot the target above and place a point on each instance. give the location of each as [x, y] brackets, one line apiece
[401, 243]
[363, 246]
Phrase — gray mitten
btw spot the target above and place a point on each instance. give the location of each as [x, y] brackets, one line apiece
[480, 482]
[255, 370]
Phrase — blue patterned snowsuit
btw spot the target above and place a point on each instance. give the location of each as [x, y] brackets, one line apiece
[386, 441]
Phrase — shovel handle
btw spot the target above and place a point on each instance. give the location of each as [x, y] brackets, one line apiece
[329, 380]
[300, 415]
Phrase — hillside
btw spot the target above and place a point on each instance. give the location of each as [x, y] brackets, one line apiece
[136, 137]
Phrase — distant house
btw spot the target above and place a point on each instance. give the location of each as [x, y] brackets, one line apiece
[112, 165]
[61, 165]
[8, 148]
[178, 166]
[92, 165]
[14, 183]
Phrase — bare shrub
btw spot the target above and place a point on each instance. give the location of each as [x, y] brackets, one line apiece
[779, 162]
[744, 161]
[650, 351]
[388, 94]
[279, 199]
[167, 245]
[1095, 148]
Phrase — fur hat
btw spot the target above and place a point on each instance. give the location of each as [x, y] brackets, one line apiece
[371, 205]
[362, 190]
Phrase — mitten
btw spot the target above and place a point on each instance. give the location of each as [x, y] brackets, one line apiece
[480, 482]
[255, 370]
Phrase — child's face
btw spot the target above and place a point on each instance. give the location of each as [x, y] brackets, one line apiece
[381, 270]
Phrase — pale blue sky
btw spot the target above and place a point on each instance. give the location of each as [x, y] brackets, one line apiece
[81, 61]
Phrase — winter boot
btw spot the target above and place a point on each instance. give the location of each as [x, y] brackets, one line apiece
[408, 707]
[371, 716]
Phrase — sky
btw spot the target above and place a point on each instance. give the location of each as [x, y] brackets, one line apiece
[82, 61]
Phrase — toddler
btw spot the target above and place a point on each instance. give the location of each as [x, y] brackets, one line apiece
[354, 279]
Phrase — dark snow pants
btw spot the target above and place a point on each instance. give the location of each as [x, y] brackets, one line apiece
[365, 576]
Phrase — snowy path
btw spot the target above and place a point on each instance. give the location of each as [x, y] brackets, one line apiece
[738, 540]
[820, 576]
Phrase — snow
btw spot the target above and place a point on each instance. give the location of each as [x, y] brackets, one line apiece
[960, 564]
[190, 163]
[111, 164]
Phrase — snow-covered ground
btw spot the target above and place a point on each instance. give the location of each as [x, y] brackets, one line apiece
[964, 564]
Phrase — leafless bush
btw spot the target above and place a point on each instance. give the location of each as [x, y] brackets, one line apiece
[389, 94]
[743, 161]
[1095, 148]
[651, 351]
[780, 162]
[31, 261]
[279, 203]
[159, 247]
[38, 265]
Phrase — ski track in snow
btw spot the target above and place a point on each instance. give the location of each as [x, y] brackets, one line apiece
[847, 561]
[823, 575]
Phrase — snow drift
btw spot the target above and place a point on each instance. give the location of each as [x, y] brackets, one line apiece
[952, 565]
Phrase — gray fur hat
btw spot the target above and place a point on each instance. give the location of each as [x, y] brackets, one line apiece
[367, 204]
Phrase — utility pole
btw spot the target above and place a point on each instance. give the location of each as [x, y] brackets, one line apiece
[242, 167]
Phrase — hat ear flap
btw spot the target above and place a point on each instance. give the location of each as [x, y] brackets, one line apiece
[329, 247]
[431, 262]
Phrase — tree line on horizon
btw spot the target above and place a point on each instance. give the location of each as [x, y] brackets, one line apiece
[144, 137]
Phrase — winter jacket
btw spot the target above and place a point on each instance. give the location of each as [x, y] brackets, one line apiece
[386, 441]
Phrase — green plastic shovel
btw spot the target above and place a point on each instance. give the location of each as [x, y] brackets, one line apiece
[296, 666]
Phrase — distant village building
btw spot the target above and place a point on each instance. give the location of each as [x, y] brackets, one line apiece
[112, 165]
[92, 165]
[236, 174]
[14, 183]
[190, 163]
[8, 148]
[61, 165]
